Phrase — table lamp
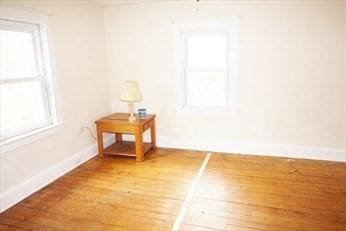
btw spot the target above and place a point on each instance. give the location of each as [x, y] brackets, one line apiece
[131, 94]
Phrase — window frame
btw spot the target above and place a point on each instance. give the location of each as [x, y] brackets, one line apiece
[182, 32]
[46, 76]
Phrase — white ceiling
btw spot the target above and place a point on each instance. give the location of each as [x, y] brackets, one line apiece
[118, 2]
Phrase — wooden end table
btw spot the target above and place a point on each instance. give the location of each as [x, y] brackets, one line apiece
[118, 124]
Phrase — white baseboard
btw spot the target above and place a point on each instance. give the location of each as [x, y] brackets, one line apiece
[282, 150]
[263, 149]
[19, 192]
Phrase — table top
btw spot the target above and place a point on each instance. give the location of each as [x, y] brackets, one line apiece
[123, 118]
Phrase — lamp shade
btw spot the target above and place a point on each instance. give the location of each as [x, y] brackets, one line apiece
[131, 92]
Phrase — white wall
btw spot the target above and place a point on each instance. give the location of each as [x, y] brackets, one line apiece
[291, 83]
[80, 55]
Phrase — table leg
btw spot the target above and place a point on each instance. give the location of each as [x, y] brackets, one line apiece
[139, 144]
[100, 141]
[118, 137]
[153, 135]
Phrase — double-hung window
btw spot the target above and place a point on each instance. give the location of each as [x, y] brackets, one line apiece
[26, 93]
[207, 66]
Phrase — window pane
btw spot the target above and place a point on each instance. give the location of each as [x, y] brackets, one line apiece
[206, 51]
[206, 89]
[17, 57]
[22, 107]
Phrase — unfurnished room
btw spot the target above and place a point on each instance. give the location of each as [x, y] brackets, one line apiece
[173, 115]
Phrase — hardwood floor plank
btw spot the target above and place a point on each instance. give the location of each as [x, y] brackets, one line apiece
[268, 199]
[273, 185]
[272, 214]
[189, 227]
[331, 182]
[255, 218]
[9, 228]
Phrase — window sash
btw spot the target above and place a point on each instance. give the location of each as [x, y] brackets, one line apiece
[186, 69]
[226, 84]
[185, 37]
[34, 30]
[44, 96]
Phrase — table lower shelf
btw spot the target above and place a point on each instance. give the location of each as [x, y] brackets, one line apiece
[125, 148]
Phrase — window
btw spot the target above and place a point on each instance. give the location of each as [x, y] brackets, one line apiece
[26, 95]
[207, 66]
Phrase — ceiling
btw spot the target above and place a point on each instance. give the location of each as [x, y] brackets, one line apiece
[117, 2]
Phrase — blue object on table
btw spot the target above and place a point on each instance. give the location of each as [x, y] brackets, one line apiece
[142, 112]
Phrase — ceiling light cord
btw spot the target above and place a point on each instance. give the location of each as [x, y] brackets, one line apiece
[197, 6]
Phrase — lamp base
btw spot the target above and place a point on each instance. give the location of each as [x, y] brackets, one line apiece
[132, 117]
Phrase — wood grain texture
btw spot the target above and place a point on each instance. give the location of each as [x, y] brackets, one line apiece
[244, 192]
[235, 192]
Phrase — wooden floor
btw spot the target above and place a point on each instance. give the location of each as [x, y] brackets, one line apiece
[235, 192]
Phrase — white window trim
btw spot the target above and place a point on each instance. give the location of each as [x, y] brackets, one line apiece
[229, 26]
[51, 83]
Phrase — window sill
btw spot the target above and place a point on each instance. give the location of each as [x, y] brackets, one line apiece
[29, 137]
[206, 112]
